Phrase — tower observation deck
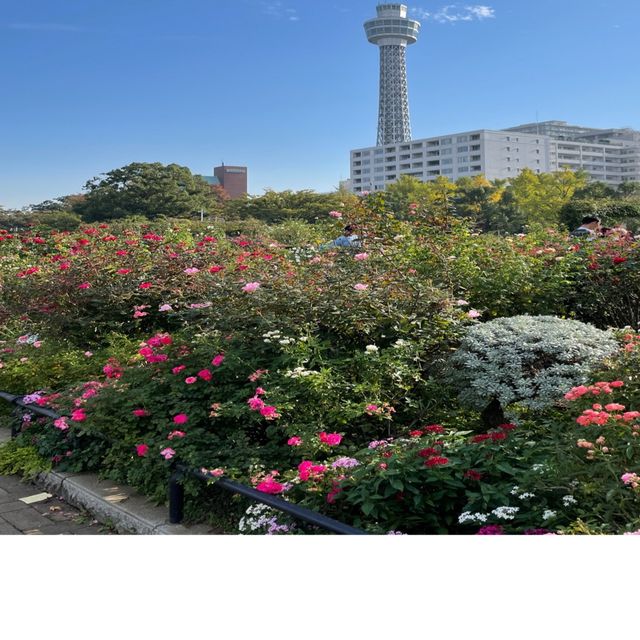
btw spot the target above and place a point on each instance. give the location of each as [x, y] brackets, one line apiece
[392, 31]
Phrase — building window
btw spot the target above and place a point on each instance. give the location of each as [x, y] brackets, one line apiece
[463, 149]
[462, 139]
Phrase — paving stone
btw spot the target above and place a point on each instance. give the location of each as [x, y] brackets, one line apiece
[25, 519]
[15, 505]
[7, 530]
[5, 496]
[13, 484]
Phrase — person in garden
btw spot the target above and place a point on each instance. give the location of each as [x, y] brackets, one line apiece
[348, 239]
[589, 228]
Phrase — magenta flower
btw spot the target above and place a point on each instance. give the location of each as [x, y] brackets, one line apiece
[191, 271]
[178, 369]
[255, 403]
[295, 441]
[191, 380]
[144, 285]
[167, 453]
[205, 375]
[218, 360]
[84, 285]
[361, 256]
[141, 450]
[269, 412]
[140, 413]
[181, 418]
[491, 530]
[332, 439]
[270, 486]
[176, 434]
[78, 415]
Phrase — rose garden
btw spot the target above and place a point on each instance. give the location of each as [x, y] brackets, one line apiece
[436, 379]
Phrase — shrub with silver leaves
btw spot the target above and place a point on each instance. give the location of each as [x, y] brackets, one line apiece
[532, 360]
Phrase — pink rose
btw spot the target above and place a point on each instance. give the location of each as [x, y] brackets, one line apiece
[250, 287]
[181, 418]
[205, 375]
[270, 486]
[167, 453]
[332, 439]
[218, 360]
[295, 441]
[191, 380]
[140, 413]
[141, 450]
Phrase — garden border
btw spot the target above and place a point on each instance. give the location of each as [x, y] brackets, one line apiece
[85, 490]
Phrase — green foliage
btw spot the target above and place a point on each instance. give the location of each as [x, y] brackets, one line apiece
[18, 458]
[281, 206]
[146, 189]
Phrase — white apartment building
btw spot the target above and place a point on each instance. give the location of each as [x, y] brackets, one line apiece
[612, 156]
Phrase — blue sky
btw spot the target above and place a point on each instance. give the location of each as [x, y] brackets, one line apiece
[286, 87]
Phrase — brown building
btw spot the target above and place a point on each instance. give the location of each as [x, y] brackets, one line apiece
[232, 179]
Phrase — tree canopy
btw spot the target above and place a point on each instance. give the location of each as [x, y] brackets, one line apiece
[146, 189]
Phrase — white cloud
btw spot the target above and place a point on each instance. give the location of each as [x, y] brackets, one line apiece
[277, 9]
[453, 13]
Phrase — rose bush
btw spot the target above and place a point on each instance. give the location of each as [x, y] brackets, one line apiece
[316, 374]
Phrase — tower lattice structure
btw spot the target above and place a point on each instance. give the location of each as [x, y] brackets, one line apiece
[392, 31]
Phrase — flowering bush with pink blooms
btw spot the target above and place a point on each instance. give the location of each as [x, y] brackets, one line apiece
[314, 375]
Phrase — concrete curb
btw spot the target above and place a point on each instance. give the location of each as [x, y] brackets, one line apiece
[117, 505]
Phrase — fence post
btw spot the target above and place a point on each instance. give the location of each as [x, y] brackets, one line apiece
[16, 423]
[176, 498]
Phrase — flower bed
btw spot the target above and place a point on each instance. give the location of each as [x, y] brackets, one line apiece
[316, 375]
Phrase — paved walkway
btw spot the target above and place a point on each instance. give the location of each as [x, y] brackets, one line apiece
[44, 516]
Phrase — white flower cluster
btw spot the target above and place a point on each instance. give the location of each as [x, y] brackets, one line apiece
[532, 360]
[506, 513]
[371, 348]
[300, 372]
[567, 501]
[467, 516]
[523, 496]
[548, 514]
[276, 336]
[259, 518]
[400, 343]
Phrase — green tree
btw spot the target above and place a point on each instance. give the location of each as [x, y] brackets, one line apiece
[435, 198]
[280, 206]
[540, 197]
[146, 189]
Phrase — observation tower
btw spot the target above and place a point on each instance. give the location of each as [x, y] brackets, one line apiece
[392, 31]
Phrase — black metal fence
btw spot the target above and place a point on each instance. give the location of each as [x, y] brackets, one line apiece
[176, 488]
